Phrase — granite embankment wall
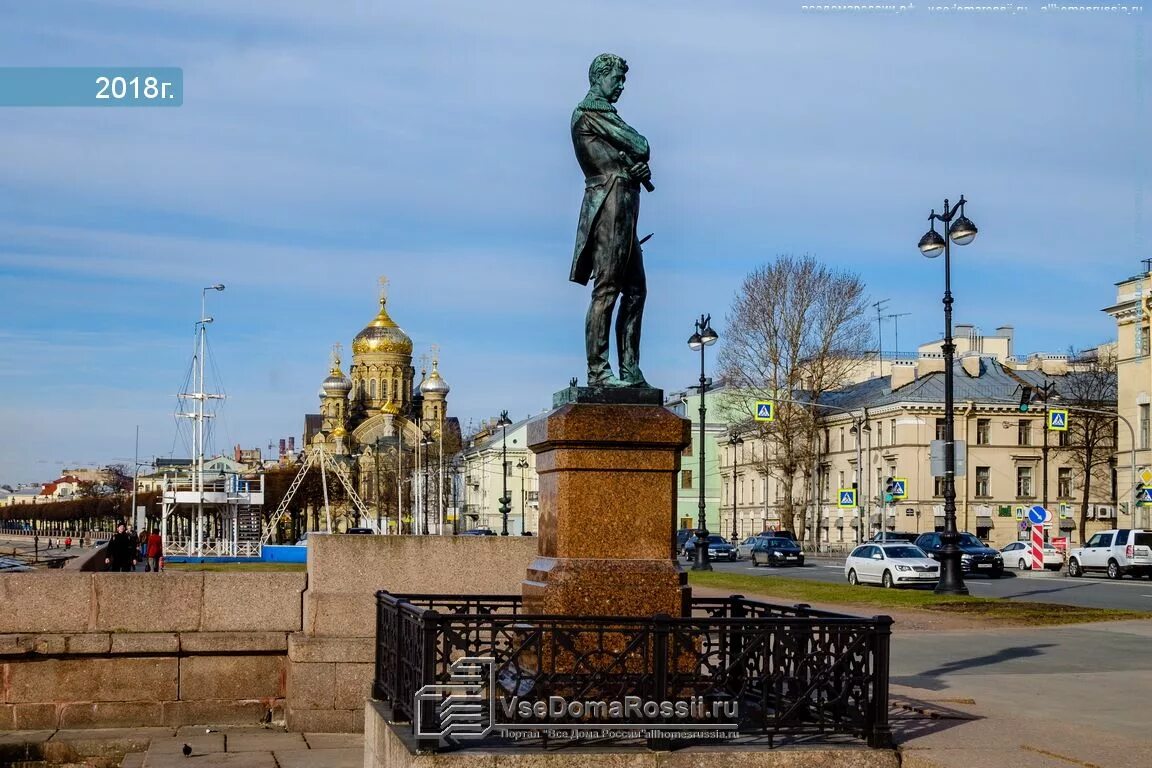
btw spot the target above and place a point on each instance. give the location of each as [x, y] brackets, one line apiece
[98, 650]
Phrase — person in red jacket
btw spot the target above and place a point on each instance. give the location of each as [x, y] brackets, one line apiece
[155, 551]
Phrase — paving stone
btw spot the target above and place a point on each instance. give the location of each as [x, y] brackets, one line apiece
[211, 760]
[320, 758]
[264, 742]
[334, 740]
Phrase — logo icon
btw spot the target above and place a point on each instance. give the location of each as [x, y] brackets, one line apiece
[459, 710]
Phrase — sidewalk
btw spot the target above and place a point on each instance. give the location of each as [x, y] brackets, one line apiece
[233, 746]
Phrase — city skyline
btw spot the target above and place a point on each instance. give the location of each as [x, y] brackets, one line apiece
[320, 147]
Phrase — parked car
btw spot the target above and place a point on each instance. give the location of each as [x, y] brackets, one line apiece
[718, 548]
[478, 532]
[744, 548]
[1019, 554]
[682, 537]
[772, 533]
[1117, 552]
[360, 530]
[773, 550]
[975, 556]
[895, 536]
[890, 565]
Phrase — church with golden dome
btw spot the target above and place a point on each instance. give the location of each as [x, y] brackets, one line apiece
[392, 433]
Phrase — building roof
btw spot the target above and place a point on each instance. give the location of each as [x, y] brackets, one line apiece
[996, 384]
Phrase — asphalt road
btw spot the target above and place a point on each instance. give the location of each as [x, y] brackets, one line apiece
[1094, 591]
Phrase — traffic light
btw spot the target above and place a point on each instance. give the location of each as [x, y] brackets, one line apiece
[1025, 399]
[889, 490]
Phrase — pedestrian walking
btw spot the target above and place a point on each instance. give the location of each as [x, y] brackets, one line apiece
[155, 552]
[121, 551]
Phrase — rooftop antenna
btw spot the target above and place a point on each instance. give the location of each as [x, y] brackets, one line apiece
[896, 327]
[880, 305]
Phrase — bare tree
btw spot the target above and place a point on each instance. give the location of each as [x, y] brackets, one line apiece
[794, 332]
[1091, 436]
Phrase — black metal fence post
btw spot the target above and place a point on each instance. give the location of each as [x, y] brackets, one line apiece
[429, 626]
[880, 732]
[661, 626]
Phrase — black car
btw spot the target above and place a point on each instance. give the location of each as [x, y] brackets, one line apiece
[718, 548]
[774, 534]
[478, 532]
[682, 537]
[774, 550]
[895, 536]
[974, 556]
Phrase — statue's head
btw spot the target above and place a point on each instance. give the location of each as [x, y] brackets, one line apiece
[607, 74]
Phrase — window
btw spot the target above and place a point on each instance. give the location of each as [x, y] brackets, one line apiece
[685, 478]
[983, 481]
[1024, 432]
[841, 438]
[940, 429]
[892, 433]
[1144, 427]
[1023, 481]
[937, 486]
[1064, 483]
[1100, 540]
[1062, 440]
[983, 431]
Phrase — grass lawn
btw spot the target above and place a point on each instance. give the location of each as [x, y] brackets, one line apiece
[259, 567]
[999, 611]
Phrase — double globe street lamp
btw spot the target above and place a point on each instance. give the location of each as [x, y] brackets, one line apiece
[505, 499]
[703, 336]
[960, 230]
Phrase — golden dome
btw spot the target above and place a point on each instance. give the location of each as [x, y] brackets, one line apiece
[390, 407]
[382, 335]
[339, 432]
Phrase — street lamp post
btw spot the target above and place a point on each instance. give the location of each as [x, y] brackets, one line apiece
[962, 232]
[523, 465]
[703, 337]
[734, 441]
[505, 500]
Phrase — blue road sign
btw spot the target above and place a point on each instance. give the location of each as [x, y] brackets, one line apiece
[1037, 515]
[765, 410]
[899, 486]
[847, 498]
[1058, 420]
[1144, 497]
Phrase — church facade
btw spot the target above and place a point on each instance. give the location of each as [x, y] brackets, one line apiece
[392, 433]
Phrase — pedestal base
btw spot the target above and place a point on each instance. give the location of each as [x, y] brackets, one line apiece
[607, 512]
[590, 587]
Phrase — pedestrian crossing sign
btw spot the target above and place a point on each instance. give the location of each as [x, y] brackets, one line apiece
[847, 498]
[1058, 420]
[1144, 497]
[899, 488]
[765, 410]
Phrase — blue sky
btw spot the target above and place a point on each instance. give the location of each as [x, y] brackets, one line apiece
[321, 145]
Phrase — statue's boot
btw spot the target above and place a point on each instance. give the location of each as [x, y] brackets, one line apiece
[604, 379]
[634, 377]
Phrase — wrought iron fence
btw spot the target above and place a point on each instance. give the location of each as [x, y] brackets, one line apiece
[754, 668]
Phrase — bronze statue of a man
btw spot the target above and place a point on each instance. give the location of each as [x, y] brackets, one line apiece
[614, 159]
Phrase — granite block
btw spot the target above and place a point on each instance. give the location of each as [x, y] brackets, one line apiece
[171, 603]
[92, 679]
[253, 602]
[49, 601]
[231, 677]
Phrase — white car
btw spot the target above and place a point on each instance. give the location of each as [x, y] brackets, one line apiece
[744, 548]
[890, 565]
[1019, 554]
